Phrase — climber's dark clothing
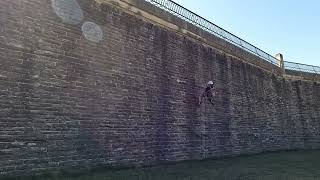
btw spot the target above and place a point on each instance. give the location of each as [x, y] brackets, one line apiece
[208, 93]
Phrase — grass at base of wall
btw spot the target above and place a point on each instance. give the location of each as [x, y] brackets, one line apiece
[282, 165]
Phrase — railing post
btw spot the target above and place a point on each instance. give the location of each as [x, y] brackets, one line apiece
[280, 62]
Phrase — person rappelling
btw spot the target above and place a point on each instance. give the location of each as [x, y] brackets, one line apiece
[208, 93]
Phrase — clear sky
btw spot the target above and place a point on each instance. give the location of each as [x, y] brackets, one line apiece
[290, 27]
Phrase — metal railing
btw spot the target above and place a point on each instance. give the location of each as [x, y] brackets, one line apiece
[208, 26]
[301, 67]
[187, 15]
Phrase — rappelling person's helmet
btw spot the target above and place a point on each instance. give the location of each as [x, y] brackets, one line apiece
[210, 84]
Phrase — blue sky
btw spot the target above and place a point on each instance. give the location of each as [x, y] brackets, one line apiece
[290, 27]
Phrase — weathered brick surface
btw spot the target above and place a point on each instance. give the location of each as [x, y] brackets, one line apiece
[131, 99]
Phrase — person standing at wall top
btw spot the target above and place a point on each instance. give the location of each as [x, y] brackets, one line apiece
[209, 93]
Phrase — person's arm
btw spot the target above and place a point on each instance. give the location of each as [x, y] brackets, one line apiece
[201, 98]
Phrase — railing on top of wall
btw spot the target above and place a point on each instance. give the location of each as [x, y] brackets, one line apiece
[208, 26]
[187, 15]
[301, 67]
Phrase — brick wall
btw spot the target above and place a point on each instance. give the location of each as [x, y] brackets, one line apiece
[102, 87]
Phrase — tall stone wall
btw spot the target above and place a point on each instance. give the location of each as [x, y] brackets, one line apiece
[88, 84]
